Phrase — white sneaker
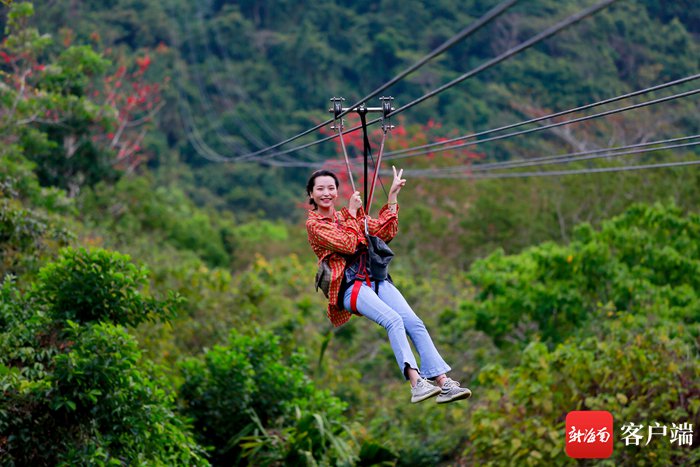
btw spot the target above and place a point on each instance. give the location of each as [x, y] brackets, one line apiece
[452, 392]
[423, 390]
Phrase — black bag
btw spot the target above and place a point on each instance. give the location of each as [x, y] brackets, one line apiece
[380, 256]
[323, 277]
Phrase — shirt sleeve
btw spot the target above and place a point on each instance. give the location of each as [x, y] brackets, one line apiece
[331, 236]
[386, 225]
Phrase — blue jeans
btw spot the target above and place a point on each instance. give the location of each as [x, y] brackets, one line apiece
[390, 310]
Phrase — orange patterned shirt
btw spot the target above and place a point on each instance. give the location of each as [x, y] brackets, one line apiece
[332, 238]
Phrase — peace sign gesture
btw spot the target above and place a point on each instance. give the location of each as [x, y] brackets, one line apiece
[396, 185]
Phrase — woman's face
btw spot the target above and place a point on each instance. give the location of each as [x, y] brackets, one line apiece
[325, 192]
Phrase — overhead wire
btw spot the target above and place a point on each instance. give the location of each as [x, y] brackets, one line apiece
[203, 149]
[543, 118]
[434, 147]
[553, 173]
[551, 125]
[243, 126]
[451, 42]
[472, 28]
[512, 164]
[536, 129]
[549, 32]
[205, 97]
[560, 158]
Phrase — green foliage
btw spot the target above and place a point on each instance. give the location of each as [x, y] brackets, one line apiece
[60, 111]
[640, 373]
[25, 237]
[252, 405]
[73, 72]
[18, 181]
[98, 285]
[158, 214]
[607, 317]
[28, 229]
[259, 237]
[22, 38]
[644, 261]
[78, 393]
[255, 71]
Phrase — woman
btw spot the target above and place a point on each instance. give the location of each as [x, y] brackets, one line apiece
[338, 237]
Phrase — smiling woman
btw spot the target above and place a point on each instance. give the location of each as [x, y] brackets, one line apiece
[323, 190]
[338, 238]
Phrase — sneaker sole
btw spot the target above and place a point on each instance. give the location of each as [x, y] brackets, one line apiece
[426, 396]
[456, 397]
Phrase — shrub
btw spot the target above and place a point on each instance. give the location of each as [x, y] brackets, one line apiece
[78, 393]
[250, 404]
[98, 285]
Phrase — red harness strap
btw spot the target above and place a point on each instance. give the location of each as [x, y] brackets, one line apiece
[361, 275]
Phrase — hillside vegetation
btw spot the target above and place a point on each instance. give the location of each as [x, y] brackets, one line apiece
[157, 308]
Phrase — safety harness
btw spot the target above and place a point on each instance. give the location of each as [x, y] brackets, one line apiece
[363, 272]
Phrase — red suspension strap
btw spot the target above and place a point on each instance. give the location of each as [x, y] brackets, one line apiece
[361, 276]
[338, 125]
[386, 110]
[376, 171]
[362, 110]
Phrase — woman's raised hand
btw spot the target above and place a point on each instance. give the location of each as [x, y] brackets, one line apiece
[354, 203]
[396, 185]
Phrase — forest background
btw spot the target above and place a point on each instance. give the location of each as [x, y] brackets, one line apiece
[157, 304]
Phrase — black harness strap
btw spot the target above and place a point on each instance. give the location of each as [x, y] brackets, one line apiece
[362, 111]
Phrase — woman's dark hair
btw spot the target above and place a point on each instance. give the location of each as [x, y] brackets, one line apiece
[312, 181]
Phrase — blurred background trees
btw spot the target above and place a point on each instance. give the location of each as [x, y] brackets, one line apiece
[156, 307]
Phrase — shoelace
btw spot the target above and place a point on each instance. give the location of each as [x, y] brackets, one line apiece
[450, 383]
[421, 382]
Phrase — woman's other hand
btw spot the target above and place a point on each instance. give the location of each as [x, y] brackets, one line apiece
[396, 185]
[354, 203]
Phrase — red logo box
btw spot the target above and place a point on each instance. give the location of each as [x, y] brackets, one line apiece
[589, 434]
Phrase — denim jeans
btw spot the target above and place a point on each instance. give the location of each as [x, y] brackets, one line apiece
[390, 310]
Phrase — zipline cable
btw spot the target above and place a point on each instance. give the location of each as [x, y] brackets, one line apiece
[461, 35]
[569, 172]
[207, 100]
[200, 13]
[553, 173]
[489, 16]
[560, 158]
[552, 30]
[401, 154]
[545, 117]
[552, 125]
